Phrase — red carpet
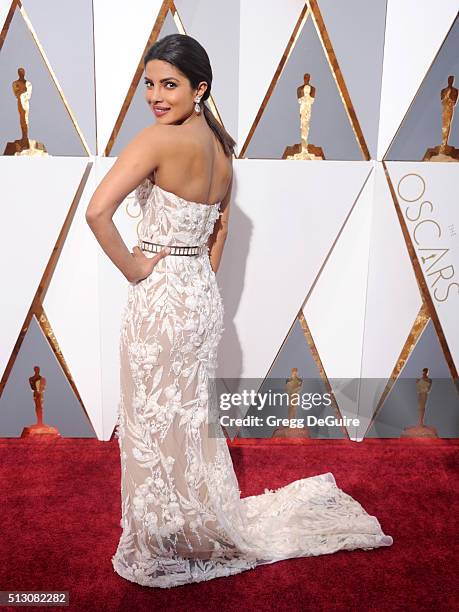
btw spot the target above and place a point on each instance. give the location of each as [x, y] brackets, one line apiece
[61, 510]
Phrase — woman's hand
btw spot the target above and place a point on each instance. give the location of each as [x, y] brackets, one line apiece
[144, 265]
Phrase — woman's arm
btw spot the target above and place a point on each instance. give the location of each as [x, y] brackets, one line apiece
[217, 239]
[137, 161]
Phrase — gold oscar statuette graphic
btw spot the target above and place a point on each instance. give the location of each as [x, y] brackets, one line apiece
[445, 152]
[293, 386]
[305, 94]
[421, 430]
[22, 89]
[38, 385]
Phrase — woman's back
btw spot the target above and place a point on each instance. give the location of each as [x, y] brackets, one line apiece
[195, 167]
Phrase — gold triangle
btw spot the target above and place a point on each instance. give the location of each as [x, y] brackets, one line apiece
[17, 4]
[419, 325]
[311, 8]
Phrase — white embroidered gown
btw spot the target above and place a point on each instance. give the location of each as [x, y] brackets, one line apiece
[183, 517]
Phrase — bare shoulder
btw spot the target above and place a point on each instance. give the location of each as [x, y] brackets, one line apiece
[172, 139]
[155, 135]
[149, 141]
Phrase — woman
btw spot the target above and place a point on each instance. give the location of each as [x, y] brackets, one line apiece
[182, 516]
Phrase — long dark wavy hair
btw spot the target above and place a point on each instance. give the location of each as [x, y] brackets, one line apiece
[190, 57]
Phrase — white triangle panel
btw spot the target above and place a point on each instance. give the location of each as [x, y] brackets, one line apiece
[432, 219]
[72, 307]
[335, 310]
[4, 8]
[35, 206]
[284, 220]
[113, 288]
[415, 30]
[392, 304]
[84, 305]
[121, 32]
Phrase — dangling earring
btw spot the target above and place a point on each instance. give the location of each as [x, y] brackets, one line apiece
[197, 108]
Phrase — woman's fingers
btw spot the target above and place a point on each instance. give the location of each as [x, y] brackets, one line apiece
[163, 253]
[137, 251]
[148, 263]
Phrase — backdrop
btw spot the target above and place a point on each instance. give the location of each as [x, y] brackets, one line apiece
[342, 262]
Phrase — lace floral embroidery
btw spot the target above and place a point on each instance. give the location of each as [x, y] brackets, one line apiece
[183, 518]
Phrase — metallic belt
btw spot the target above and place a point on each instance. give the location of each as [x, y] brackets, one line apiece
[153, 247]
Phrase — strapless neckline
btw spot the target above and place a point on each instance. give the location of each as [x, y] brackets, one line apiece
[183, 199]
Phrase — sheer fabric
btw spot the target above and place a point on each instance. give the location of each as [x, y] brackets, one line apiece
[183, 516]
